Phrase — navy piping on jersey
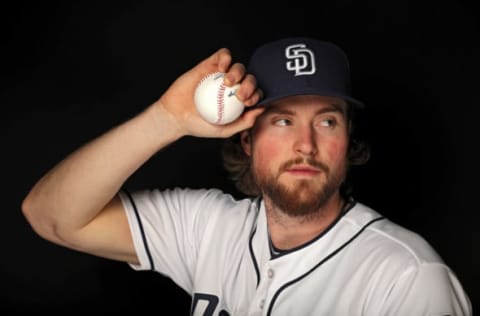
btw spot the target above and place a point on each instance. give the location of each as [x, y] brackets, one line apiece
[280, 252]
[258, 200]
[252, 254]
[348, 206]
[277, 294]
[144, 238]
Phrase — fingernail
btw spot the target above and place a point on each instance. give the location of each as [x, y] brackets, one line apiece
[227, 80]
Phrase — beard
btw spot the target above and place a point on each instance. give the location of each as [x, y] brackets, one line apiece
[303, 198]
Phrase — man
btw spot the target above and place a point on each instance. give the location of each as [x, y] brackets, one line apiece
[301, 245]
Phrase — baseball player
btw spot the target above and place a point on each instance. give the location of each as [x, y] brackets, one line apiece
[297, 244]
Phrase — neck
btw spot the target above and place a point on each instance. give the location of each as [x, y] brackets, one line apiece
[287, 232]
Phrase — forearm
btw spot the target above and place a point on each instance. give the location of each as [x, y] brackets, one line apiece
[70, 204]
[71, 194]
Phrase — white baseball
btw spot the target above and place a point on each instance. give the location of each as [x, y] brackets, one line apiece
[216, 102]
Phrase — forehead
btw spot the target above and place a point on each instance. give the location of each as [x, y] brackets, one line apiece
[302, 103]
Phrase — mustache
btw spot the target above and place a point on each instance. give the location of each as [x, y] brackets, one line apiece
[301, 160]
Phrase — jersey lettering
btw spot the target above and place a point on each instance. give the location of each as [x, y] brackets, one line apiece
[208, 303]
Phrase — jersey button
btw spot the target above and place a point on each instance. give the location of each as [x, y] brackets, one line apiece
[262, 303]
[270, 273]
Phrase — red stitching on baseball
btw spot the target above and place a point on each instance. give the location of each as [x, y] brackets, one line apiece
[220, 107]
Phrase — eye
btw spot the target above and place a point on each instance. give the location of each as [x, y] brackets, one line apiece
[328, 122]
[282, 122]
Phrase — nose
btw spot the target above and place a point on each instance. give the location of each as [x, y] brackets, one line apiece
[305, 142]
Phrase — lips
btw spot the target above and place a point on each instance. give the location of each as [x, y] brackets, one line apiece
[303, 167]
[303, 170]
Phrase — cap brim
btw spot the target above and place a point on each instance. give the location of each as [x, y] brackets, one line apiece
[355, 102]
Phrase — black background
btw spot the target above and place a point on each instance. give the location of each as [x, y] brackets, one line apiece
[72, 70]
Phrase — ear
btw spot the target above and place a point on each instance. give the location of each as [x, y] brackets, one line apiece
[246, 142]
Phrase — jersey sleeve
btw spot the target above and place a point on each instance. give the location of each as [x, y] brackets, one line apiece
[430, 289]
[167, 228]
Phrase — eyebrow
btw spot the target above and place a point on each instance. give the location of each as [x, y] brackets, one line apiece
[332, 107]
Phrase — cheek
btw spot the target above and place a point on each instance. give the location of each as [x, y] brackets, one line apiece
[336, 149]
[336, 153]
[265, 152]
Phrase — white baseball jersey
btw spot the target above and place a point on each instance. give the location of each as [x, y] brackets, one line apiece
[218, 249]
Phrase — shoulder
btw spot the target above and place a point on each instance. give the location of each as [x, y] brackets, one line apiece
[405, 264]
[185, 198]
[176, 193]
[394, 239]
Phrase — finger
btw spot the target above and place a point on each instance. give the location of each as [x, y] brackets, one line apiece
[248, 89]
[222, 59]
[235, 74]
[253, 98]
[218, 61]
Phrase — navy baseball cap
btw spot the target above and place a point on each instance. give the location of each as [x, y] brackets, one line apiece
[301, 66]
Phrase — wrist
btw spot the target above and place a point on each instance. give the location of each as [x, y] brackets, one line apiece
[164, 122]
